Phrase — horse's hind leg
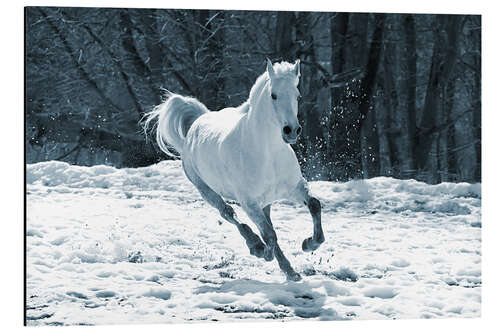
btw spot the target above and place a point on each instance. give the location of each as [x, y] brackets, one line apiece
[255, 245]
[302, 195]
[262, 219]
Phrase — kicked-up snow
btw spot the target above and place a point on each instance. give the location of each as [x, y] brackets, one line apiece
[116, 246]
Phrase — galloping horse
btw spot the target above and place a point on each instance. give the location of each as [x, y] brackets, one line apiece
[244, 154]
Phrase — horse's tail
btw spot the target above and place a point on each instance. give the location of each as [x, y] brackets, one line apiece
[174, 118]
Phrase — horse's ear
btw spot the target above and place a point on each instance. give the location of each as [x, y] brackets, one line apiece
[296, 68]
[270, 69]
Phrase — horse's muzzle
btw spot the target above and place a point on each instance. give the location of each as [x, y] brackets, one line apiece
[290, 134]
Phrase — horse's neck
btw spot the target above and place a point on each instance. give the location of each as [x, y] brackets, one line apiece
[261, 128]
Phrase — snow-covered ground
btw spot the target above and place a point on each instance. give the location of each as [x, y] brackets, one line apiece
[109, 246]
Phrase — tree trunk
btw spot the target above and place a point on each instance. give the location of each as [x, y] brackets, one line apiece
[367, 91]
[476, 93]
[443, 61]
[152, 38]
[285, 21]
[409, 167]
[311, 145]
[338, 29]
[389, 132]
[369, 141]
[128, 44]
[449, 136]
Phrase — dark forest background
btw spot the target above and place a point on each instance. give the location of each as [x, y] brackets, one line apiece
[383, 94]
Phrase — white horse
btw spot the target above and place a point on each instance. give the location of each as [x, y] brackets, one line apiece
[244, 154]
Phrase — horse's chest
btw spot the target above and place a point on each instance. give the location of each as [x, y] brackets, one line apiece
[274, 180]
[275, 189]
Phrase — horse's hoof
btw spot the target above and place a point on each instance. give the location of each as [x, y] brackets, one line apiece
[309, 245]
[293, 276]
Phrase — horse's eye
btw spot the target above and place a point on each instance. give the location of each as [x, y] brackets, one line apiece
[273, 96]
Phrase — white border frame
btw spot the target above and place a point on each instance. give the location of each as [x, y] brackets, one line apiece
[12, 140]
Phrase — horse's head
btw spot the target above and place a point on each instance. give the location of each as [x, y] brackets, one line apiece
[283, 94]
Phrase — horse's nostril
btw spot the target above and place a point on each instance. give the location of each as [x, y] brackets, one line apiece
[299, 129]
[287, 130]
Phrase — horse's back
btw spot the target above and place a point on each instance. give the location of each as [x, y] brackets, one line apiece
[213, 125]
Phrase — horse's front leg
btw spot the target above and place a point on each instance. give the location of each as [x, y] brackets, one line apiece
[302, 195]
[255, 245]
[261, 218]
